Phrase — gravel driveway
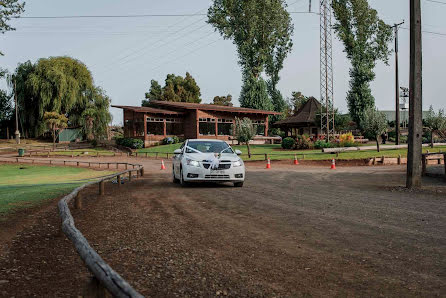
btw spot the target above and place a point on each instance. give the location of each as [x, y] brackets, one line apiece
[291, 231]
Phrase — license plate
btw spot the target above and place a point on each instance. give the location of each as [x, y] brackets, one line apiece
[217, 172]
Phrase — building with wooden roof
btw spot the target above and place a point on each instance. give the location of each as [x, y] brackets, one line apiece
[303, 121]
[188, 120]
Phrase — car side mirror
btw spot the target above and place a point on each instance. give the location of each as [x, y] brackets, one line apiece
[238, 152]
[177, 151]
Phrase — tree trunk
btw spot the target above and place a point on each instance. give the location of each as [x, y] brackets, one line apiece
[249, 149]
[432, 138]
[54, 139]
[377, 143]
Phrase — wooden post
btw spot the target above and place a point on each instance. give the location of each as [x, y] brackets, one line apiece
[382, 159]
[108, 165]
[119, 180]
[102, 188]
[423, 164]
[78, 201]
[167, 156]
[414, 154]
[17, 159]
[156, 155]
[399, 159]
[117, 165]
[137, 173]
[89, 164]
[374, 161]
[126, 165]
[64, 162]
[142, 172]
[146, 154]
[51, 161]
[130, 175]
[77, 163]
[266, 156]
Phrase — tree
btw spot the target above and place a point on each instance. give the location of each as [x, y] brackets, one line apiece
[254, 94]
[244, 132]
[436, 123]
[9, 9]
[223, 100]
[366, 38]
[297, 101]
[154, 93]
[261, 31]
[56, 123]
[96, 116]
[6, 109]
[374, 122]
[176, 89]
[63, 85]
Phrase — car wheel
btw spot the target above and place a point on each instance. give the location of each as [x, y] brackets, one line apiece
[238, 184]
[175, 180]
[182, 182]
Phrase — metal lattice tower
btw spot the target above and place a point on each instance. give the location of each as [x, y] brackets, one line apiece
[326, 79]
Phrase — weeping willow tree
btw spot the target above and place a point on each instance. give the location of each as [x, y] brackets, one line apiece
[95, 117]
[63, 85]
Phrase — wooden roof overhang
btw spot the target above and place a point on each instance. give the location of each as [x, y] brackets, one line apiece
[184, 106]
[149, 110]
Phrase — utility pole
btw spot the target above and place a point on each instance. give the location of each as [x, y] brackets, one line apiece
[17, 132]
[397, 87]
[413, 179]
[309, 8]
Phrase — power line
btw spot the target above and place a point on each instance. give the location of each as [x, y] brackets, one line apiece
[131, 16]
[435, 1]
[429, 32]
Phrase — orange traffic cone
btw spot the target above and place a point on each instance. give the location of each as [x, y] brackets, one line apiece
[163, 167]
[296, 162]
[268, 164]
[333, 164]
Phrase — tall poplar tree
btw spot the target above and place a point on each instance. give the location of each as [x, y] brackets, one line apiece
[366, 40]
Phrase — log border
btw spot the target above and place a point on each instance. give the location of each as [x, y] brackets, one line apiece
[107, 277]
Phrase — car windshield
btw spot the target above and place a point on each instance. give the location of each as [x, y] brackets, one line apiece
[208, 147]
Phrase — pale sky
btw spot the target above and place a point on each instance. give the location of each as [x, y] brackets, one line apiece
[124, 54]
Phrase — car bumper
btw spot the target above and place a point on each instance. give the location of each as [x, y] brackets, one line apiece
[206, 175]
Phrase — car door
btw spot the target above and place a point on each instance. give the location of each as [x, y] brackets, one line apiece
[177, 161]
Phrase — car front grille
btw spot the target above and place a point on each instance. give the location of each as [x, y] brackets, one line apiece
[220, 166]
[216, 176]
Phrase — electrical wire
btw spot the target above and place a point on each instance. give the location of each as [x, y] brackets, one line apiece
[436, 1]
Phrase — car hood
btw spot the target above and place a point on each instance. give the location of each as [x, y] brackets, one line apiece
[210, 156]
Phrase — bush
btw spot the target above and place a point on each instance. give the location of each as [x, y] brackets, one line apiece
[320, 144]
[129, 142]
[94, 143]
[304, 142]
[288, 143]
[170, 140]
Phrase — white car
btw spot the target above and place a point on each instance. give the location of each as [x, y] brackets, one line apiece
[200, 160]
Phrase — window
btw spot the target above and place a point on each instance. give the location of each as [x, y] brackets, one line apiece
[174, 127]
[224, 127]
[207, 126]
[155, 126]
[139, 127]
[128, 128]
[260, 127]
[208, 147]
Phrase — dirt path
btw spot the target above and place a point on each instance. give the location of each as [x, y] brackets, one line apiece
[292, 231]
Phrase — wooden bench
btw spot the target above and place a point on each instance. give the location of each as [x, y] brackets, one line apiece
[438, 157]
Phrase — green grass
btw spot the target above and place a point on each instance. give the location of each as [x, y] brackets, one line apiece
[24, 186]
[79, 152]
[275, 152]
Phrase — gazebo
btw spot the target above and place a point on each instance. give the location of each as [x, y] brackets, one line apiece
[303, 121]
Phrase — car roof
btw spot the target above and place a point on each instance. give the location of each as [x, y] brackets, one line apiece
[204, 140]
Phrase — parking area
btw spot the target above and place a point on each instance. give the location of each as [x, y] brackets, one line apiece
[290, 231]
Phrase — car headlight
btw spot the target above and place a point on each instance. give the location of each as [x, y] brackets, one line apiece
[191, 162]
[237, 163]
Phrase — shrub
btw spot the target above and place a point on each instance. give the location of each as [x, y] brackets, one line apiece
[320, 144]
[288, 143]
[304, 142]
[170, 140]
[129, 142]
[94, 143]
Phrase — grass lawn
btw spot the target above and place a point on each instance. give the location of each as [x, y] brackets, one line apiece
[275, 152]
[23, 186]
[79, 152]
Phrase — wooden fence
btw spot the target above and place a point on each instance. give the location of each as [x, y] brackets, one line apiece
[104, 275]
[438, 157]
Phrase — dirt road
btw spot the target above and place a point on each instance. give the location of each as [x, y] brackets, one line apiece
[291, 231]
